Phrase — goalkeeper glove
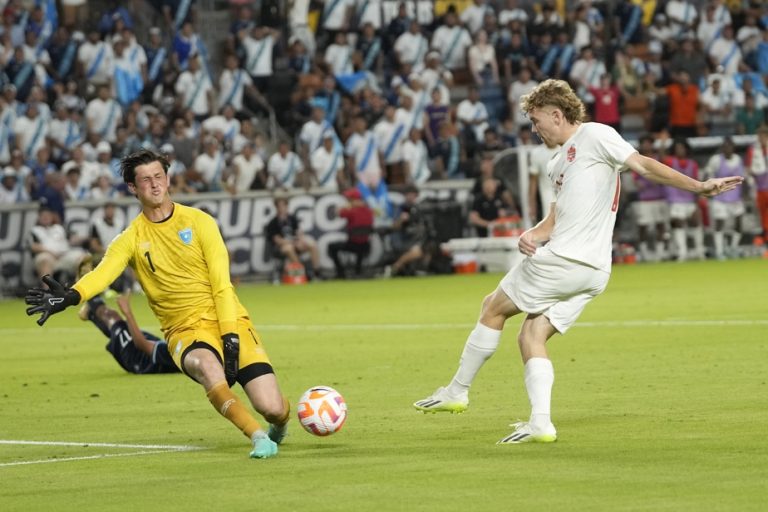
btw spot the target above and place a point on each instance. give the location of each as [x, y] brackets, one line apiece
[231, 356]
[54, 299]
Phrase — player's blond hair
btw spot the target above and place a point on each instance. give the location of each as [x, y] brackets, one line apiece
[558, 94]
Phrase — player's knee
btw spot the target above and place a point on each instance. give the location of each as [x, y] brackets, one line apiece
[276, 411]
[203, 365]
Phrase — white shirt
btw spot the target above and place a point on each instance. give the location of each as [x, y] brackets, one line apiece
[193, 89]
[339, 58]
[247, 169]
[588, 72]
[64, 130]
[474, 16]
[228, 128]
[585, 172]
[334, 13]
[312, 133]
[517, 90]
[258, 55]
[452, 44]
[103, 117]
[231, 87]
[708, 31]
[89, 172]
[362, 150]
[390, 136]
[327, 165]
[726, 53]
[53, 238]
[508, 15]
[681, 10]
[541, 155]
[468, 111]
[18, 194]
[713, 165]
[432, 78]
[105, 232]
[211, 168]
[416, 157]
[102, 70]
[412, 48]
[283, 169]
[31, 134]
[481, 56]
[371, 14]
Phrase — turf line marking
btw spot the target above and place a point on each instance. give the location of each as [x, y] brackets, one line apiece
[88, 457]
[144, 449]
[168, 447]
[420, 326]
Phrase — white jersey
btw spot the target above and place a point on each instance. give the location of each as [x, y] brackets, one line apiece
[335, 13]
[312, 134]
[246, 171]
[103, 117]
[258, 52]
[211, 168]
[390, 136]
[540, 158]
[283, 169]
[416, 156]
[585, 173]
[327, 165]
[412, 48]
[193, 88]
[231, 87]
[452, 44]
[368, 11]
[362, 150]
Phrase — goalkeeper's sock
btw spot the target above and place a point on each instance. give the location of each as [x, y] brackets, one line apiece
[481, 344]
[224, 400]
[539, 378]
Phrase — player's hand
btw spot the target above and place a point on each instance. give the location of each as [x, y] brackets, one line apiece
[124, 302]
[527, 243]
[715, 186]
[231, 343]
[54, 299]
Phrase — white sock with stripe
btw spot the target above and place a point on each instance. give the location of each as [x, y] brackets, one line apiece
[481, 344]
[539, 378]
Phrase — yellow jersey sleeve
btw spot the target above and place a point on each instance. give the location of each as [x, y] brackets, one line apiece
[117, 257]
[217, 259]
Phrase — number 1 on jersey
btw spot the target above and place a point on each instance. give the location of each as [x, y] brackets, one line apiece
[149, 260]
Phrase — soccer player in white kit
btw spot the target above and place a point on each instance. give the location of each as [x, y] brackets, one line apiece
[568, 253]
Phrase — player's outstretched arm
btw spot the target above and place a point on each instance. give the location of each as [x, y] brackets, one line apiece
[141, 341]
[49, 301]
[661, 173]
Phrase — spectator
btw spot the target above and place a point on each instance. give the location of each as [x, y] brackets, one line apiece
[683, 106]
[157, 62]
[195, 90]
[661, 29]
[209, 167]
[338, 55]
[259, 48]
[749, 118]
[435, 114]
[452, 41]
[473, 118]
[224, 127]
[683, 206]
[411, 47]
[53, 250]
[434, 76]
[368, 49]
[178, 13]
[288, 240]
[13, 182]
[359, 226]
[487, 207]
[177, 171]
[185, 46]
[517, 89]
[363, 159]
[482, 61]
[283, 167]
[514, 55]
[628, 23]
[727, 208]
[327, 163]
[313, 132]
[710, 27]
[449, 153]
[335, 18]
[724, 52]
[474, 15]
[103, 114]
[586, 73]
[607, 99]
[31, 131]
[689, 59]
[717, 104]
[63, 52]
[761, 54]
[512, 12]
[103, 229]
[548, 20]
[415, 159]
[75, 188]
[247, 171]
[682, 15]
[410, 233]
[88, 171]
[63, 133]
[95, 60]
[390, 132]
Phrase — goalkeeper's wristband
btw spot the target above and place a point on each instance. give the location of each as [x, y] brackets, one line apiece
[71, 297]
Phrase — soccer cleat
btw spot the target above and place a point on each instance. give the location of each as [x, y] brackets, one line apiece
[526, 433]
[441, 401]
[277, 434]
[263, 446]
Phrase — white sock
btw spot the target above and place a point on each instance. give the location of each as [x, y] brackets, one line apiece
[539, 378]
[719, 239]
[481, 344]
[735, 240]
[698, 241]
[678, 234]
[644, 252]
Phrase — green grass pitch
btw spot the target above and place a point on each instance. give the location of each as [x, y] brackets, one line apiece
[660, 399]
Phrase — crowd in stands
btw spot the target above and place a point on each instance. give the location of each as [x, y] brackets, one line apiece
[379, 93]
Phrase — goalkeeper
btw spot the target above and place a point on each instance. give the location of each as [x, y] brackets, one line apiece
[181, 261]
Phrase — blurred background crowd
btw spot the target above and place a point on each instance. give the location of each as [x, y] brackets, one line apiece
[380, 95]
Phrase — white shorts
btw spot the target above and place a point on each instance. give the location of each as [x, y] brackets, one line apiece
[682, 211]
[725, 211]
[553, 286]
[650, 213]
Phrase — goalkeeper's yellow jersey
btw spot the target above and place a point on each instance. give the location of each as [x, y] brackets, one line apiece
[182, 265]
